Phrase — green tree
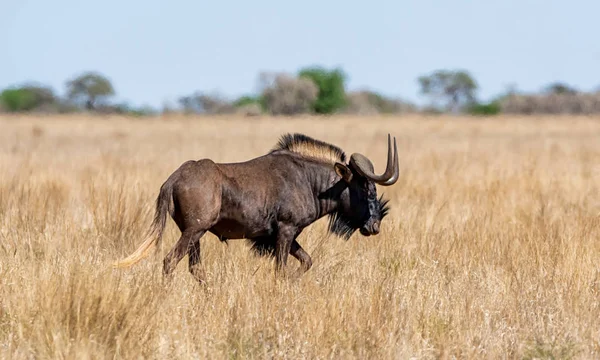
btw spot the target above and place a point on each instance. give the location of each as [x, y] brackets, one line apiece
[89, 88]
[454, 89]
[17, 100]
[331, 84]
[27, 98]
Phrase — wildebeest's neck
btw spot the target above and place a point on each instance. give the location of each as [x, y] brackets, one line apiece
[330, 191]
[326, 187]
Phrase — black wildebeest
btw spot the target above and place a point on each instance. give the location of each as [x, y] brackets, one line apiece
[269, 200]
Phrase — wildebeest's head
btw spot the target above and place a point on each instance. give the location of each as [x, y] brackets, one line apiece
[359, 207]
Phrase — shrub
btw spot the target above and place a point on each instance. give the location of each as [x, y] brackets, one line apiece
[553, 103]
[485, 109]
[201, 103]
[18, 99]
[214, 104]
[287, 95]
[250, 109]
[359, 103]
[371, 103]
[246, 100]
[330, 83]
[30, 97]
[249, 105]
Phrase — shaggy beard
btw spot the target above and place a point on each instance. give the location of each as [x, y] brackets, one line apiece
[344, 227]
[341, 226]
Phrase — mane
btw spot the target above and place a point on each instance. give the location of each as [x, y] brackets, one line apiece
[311, 148]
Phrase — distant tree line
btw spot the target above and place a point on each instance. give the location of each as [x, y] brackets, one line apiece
[312, 90]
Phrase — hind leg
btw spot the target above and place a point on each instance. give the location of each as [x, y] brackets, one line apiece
[188, 237]
[197, 204]
[195, 265]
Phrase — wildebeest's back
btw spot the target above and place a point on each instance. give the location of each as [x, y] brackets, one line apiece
[258, 193]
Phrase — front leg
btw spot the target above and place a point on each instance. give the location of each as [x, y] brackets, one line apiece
[285, 236]
[298, 252]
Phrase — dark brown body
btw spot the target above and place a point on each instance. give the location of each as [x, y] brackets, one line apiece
[268, 200]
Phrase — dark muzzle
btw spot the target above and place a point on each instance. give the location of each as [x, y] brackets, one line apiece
[371, 228]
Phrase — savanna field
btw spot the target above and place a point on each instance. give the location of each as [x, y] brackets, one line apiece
[491, 248]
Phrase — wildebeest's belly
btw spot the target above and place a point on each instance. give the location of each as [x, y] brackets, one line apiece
[243, 220]
[235, 229]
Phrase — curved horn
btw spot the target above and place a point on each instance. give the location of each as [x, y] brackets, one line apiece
[394, 178]
[364, 166]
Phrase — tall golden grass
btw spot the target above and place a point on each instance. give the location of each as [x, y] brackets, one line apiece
[491, 249]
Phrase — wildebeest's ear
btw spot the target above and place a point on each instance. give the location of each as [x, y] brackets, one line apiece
[343, 171]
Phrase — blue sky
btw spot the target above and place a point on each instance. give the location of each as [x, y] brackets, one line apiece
[158, 50]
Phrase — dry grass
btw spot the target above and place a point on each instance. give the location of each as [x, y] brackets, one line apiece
[491, 250]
